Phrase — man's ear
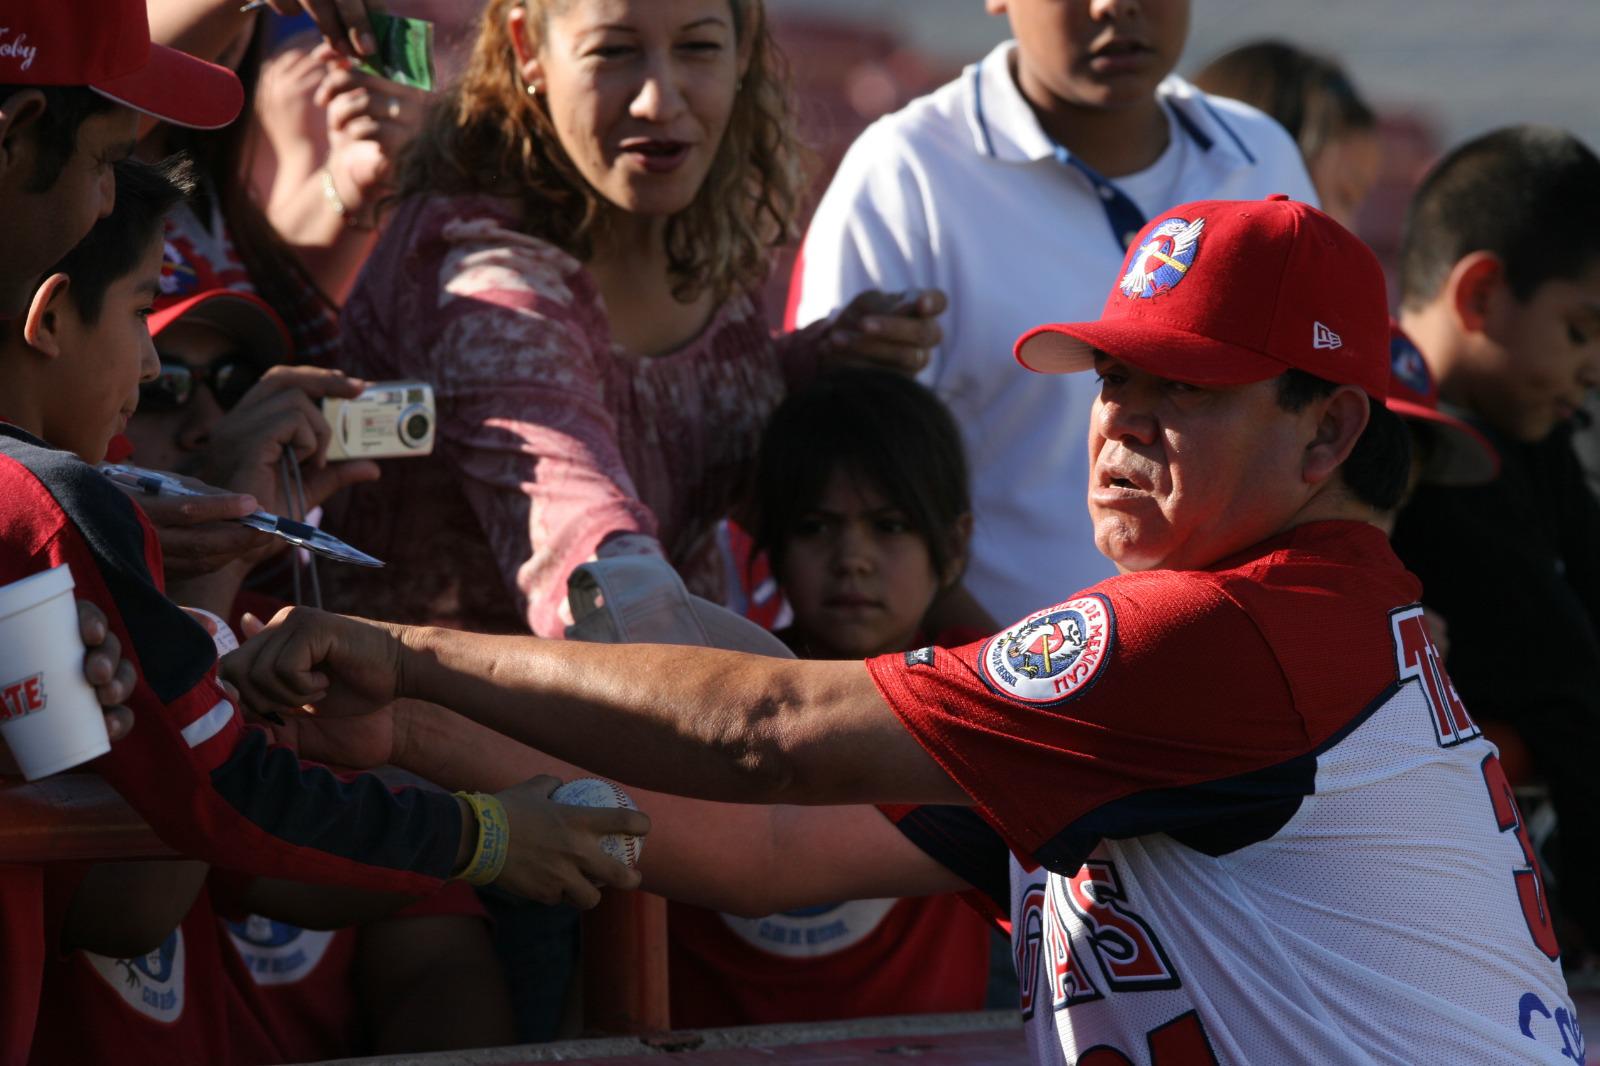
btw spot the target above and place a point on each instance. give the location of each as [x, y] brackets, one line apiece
[1473, 286]
[18, 114]
[1342, 420]
[528, 63]
[960, 541]
[41, 326]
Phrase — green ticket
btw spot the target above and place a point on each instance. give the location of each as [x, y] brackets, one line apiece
[405, 50]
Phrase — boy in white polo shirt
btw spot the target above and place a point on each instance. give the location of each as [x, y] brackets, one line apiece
[1015, 189]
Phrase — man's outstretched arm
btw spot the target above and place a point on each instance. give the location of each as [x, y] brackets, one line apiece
[692, 721]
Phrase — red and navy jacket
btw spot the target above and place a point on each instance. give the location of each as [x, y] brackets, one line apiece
[209, 786]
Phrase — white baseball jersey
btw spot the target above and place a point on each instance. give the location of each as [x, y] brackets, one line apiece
[1251, 821]
[963, 191]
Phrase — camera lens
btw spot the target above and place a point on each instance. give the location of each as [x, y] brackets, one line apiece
[414, 428]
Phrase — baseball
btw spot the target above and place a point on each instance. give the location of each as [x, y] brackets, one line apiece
[593, 792]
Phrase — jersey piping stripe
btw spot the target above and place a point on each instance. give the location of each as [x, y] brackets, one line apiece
[208, 725]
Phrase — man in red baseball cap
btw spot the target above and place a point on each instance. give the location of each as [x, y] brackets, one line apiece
[74, 77]
[1229, 798]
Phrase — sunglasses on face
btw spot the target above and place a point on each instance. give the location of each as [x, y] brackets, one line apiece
[228, 377]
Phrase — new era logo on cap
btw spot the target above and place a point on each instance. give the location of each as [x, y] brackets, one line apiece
[1323, 337]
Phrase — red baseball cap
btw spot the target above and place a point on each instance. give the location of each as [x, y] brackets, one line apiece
[1227, 292]
[1460, 454]
[243, 316]
[105, 45]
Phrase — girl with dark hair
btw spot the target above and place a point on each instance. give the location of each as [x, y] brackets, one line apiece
[862, 506]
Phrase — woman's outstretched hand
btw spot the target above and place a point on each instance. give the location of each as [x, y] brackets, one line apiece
[892, 331]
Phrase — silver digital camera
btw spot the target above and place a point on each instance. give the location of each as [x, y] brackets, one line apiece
[390, 420]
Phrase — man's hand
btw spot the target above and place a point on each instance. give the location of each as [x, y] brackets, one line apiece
[340, 665]
[197, 533]
[892, 331]
[555, 849]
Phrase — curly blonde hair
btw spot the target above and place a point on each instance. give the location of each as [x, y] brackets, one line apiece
[488, 135]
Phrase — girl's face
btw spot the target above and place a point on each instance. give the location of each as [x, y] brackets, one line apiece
[858, 576]
[639, 91]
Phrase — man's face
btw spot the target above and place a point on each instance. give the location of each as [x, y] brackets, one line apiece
[1098, 53]
[37, 228]
[1537, 360]
[1183, 475]
[96, 377]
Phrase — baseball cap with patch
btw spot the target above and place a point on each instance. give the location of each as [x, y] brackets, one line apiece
[1228, 292]
[1459, 455]
[105, 45]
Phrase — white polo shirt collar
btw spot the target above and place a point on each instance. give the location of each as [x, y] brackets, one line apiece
[1005, 128]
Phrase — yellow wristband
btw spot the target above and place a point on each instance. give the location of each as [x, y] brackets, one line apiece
[494, 839]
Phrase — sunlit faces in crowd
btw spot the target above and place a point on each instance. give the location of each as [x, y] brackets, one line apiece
[639, 91]
[99, 362]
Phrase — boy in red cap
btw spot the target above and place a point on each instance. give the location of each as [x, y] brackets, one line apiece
[1228, 797]
[74, 77]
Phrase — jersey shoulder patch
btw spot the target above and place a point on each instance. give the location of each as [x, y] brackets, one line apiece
[1052, 655]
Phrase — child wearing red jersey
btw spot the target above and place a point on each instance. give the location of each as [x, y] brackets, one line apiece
[863, 510]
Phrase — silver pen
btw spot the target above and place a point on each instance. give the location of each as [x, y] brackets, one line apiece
[301, 535]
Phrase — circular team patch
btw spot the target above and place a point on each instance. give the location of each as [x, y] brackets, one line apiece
[812, 932]
[1052, 655]
[1163, 259]
[277, 953]
[151, 984]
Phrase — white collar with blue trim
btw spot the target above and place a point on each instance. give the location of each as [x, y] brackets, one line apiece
[1004, 126]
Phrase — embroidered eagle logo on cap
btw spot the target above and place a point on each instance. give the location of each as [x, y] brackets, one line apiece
[1163, 259]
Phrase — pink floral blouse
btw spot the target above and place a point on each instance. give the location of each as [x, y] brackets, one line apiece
[550, 440]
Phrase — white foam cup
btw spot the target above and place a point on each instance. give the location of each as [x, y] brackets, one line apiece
[49, 714]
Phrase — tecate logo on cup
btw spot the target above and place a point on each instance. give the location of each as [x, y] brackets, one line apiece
[22, 697]
[49, 714]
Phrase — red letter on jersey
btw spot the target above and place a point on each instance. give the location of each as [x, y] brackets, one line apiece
[1129, 953]
[1530, 886]
[1418, 658]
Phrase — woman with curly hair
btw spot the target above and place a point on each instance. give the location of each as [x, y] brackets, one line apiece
[572, 262]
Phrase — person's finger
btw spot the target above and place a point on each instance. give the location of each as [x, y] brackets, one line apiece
[250, 625]
[99, 668]
[579, 891]
[230, 690]
[314, 381]
[120, 687]
[330, 24]
[603, 820]
[884, 356]
[347, 106]
[542, 785]
[119, 721]
[195, 510]
[602, 869]
[902, 329]
[930, 303]
[92, 626]
[354, 15]
[323, 483]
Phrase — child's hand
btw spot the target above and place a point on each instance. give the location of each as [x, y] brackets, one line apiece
[893, 331]
[555, 849]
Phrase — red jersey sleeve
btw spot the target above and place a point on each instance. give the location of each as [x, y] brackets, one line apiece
[1149, 703]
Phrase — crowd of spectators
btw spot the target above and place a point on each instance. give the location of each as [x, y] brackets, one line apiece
[214, 219]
